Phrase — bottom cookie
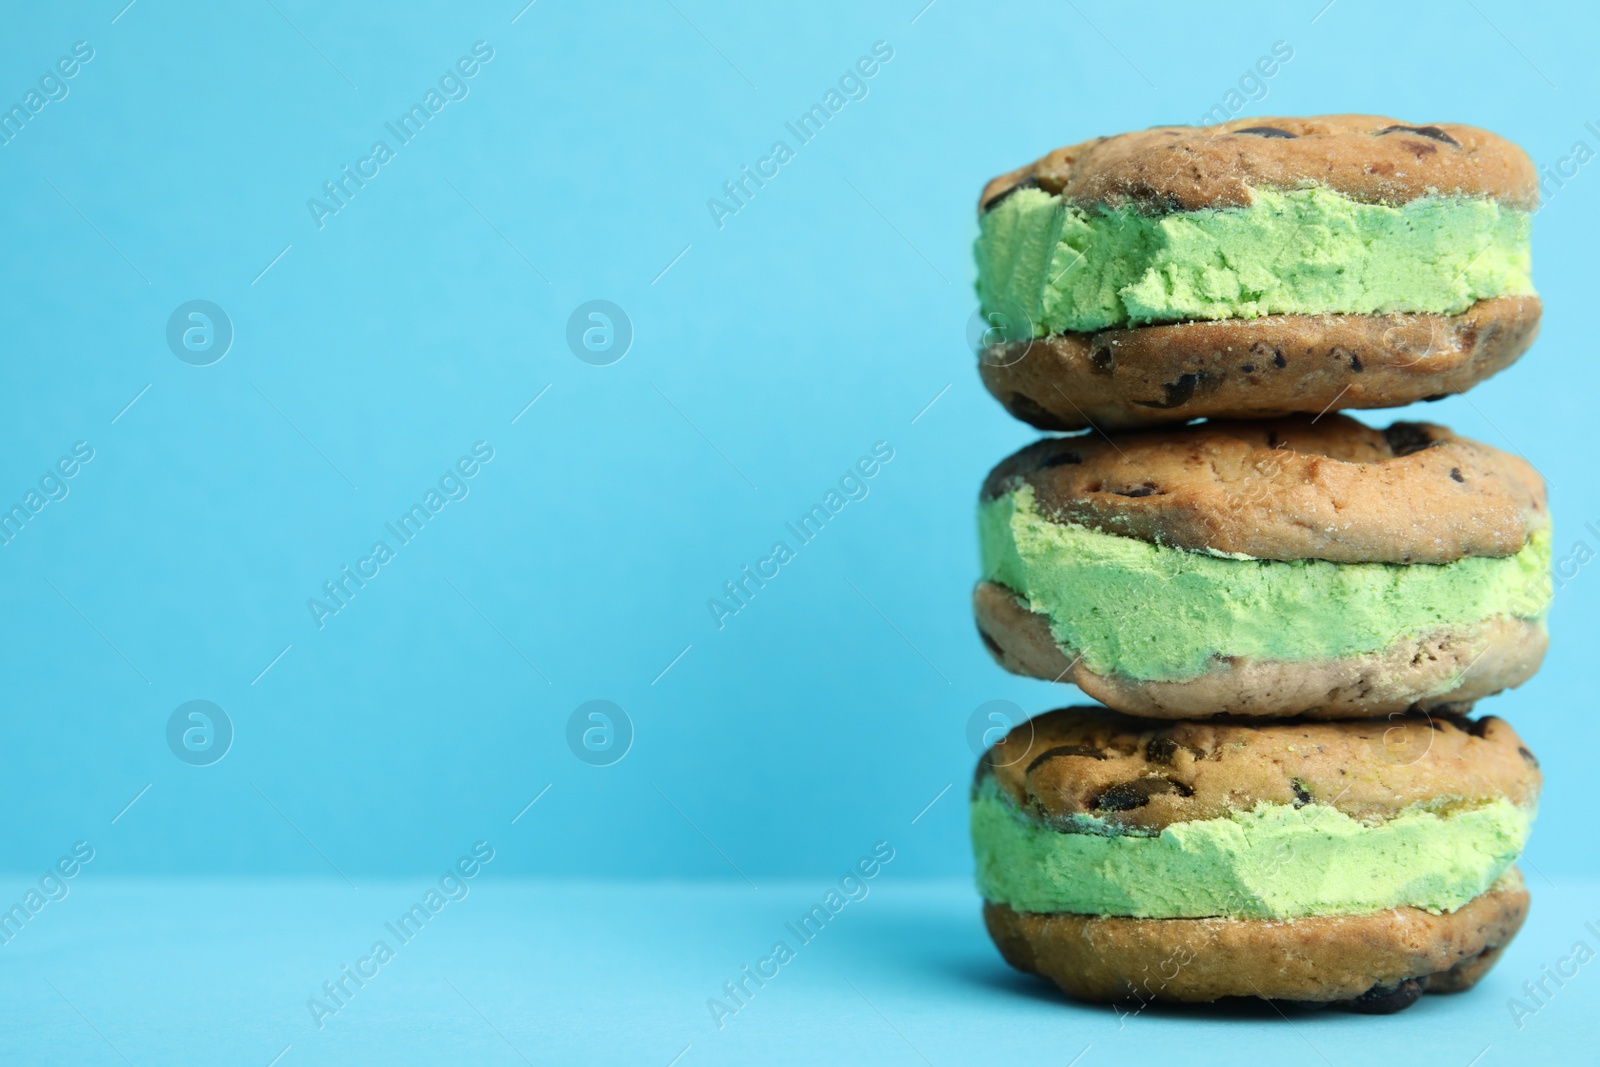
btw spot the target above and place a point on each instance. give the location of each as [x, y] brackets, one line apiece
[1377, 963]
[1254, 368]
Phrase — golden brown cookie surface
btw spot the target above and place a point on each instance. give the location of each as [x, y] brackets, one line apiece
[1266, 367]
[1140, 775]
[1376, 963]
[1325, 488]
[1366, 157]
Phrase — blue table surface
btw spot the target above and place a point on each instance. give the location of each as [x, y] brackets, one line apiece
[529, 971]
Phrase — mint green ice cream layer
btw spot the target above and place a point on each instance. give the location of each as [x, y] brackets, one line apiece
[1273, 861]
[1056, 266]
[1158, 613]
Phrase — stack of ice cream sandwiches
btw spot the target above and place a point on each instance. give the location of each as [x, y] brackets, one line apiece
[1287, 614]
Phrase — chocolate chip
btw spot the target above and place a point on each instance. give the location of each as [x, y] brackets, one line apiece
[1267, 131]
[1147, 489]
[1065, 750]
[1435, 398]
[1405, 438]
[1433, 133]
[1263, 352]
[1455, 472]
[1163, 749]
[1302, 795]
[1102, 359]
[1345, 355]
[1386, 1000]
[1126, 796]
[1026, 183]
[1061, 459]
[1248, 368]
[1178, 393]
[1160, 750]
[1033, 413]
[1529, 756]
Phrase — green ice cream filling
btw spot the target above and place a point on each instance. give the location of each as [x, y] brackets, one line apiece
[1273, 861]
[1056, 266]
[1158, 613]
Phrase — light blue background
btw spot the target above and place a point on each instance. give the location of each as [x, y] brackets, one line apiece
[768, 356]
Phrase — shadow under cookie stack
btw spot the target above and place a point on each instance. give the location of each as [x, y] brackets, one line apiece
[1287, 614]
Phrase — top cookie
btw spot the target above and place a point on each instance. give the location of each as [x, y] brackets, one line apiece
[1295, 488]
[1141, 775]
[1367, 158]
